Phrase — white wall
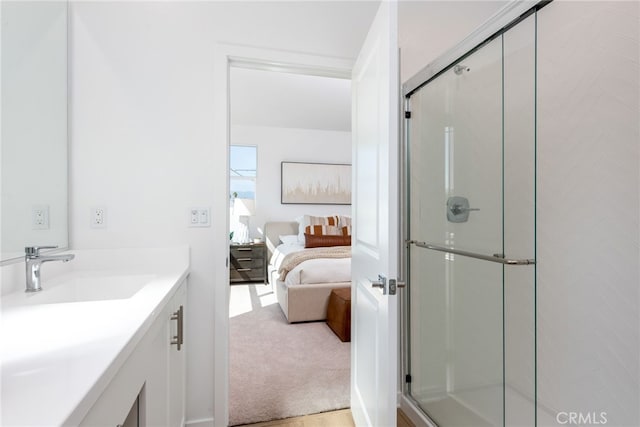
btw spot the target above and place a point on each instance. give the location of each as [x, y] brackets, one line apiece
[141, 146]
[143, 140]
[296, 145]
[588, 211]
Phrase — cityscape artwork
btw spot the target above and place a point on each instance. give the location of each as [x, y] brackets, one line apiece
[316, 183]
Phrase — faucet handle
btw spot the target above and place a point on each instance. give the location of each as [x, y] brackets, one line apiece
[34, 251]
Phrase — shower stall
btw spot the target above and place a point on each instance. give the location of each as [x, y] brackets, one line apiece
[469, 311]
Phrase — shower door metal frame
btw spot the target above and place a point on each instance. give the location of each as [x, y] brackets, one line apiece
[499, 23]
[507, 17]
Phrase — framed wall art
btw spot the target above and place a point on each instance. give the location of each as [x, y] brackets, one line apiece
[316, 183]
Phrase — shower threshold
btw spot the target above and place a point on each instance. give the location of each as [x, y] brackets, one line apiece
[477, 407]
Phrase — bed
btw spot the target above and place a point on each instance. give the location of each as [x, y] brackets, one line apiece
[304, 293]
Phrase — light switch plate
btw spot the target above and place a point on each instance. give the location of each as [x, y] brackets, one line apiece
[199, 217]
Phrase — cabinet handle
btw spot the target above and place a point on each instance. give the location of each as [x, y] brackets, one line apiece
[244, 259]
[179, 338]
[243, 269]
[244, 249]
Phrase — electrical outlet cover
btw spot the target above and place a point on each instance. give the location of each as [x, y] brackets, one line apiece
[98, 217]
[40, 217]
[195, 216]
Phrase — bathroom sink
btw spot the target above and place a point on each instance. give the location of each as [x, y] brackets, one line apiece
[76, 288]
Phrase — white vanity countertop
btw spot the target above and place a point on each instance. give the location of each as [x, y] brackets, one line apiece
[58, 357]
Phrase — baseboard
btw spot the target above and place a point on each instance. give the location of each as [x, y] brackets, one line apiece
[207, 422]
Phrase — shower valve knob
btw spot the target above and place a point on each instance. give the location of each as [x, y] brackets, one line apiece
[458, 209]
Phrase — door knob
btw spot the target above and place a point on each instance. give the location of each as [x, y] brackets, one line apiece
[380, 283]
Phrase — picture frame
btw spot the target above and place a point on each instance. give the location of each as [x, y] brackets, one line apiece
[315, 183]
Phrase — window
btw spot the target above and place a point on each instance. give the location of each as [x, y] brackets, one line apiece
[243, 161]
[242, 171]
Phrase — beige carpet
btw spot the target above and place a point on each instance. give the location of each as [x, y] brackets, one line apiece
[280, 370]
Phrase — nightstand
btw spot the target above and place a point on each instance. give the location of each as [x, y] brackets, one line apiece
[248, 263]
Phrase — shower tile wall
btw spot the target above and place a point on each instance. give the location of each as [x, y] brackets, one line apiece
[588, 211]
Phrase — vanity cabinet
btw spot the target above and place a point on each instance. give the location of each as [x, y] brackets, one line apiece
[153, 375]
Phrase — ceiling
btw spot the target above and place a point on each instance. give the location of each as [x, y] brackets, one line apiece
[267, 98]
[330, 28]
[337, 29]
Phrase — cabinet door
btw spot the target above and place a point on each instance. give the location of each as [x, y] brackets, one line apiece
[177, 360]
[156, 381]
[156, 370]
[144, 373]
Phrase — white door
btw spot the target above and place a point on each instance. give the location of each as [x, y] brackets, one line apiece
[374, 355]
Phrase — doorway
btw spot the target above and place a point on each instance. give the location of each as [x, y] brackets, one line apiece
[277, 369]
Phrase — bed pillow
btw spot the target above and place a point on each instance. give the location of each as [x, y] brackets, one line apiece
[289, 239]
[344, 221]
[323, 230]
[326, 240]
[308, 220]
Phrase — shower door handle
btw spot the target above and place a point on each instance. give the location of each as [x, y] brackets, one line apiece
[499, 258]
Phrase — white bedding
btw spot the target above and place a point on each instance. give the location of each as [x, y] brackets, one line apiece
[319, 270]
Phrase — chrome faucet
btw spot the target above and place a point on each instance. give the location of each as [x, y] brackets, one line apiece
[34, 260]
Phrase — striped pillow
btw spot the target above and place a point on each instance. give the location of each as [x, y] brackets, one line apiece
[322, 220]
[323, 230]
[344, 221]
[309, 220]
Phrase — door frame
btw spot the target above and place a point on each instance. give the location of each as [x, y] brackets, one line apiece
[225, 57]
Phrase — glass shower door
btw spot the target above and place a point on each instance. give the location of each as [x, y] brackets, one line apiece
[461, 209]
